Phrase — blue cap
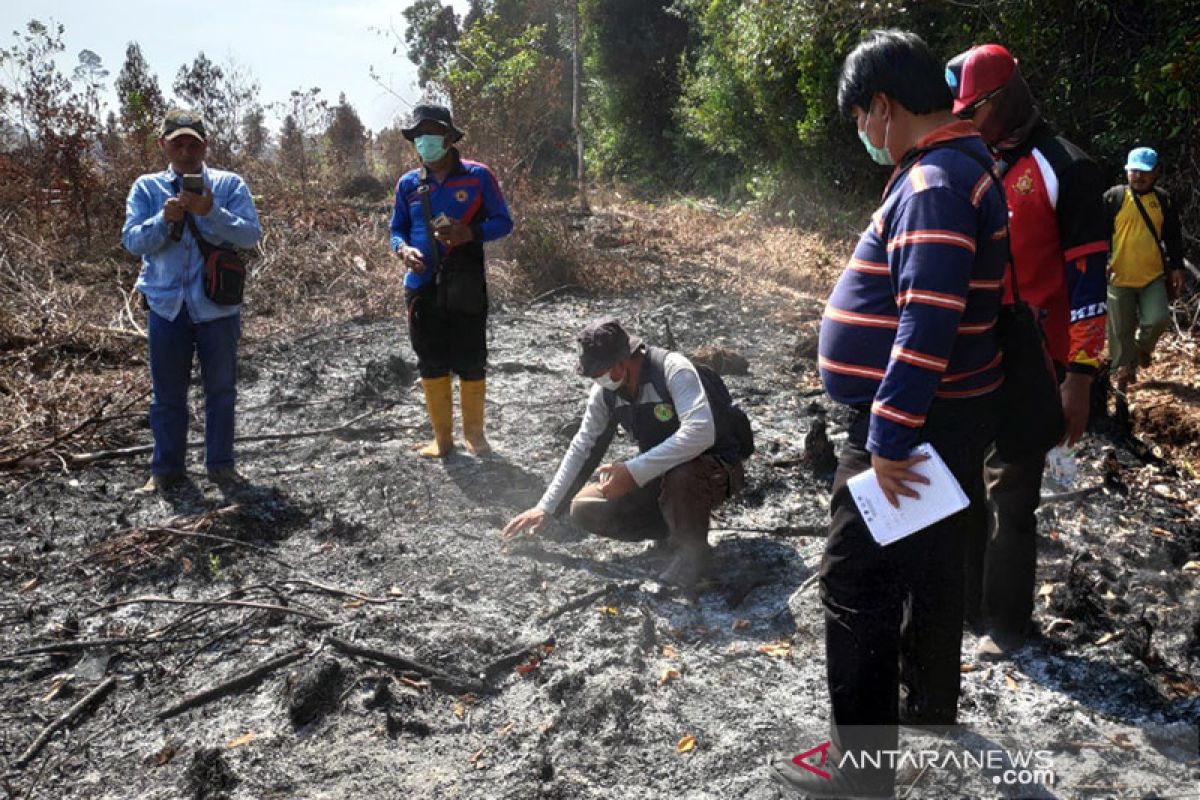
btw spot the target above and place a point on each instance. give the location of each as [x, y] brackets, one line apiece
[1143, 159]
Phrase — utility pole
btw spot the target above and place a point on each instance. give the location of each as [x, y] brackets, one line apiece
[581, 172]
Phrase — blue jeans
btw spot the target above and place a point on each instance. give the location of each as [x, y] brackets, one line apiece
[172, 343]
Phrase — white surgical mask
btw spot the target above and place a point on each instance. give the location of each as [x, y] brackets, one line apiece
[605, 381]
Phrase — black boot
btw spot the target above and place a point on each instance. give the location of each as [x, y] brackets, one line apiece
[809, 783]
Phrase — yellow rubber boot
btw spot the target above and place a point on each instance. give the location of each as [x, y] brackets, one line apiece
[471, 394]
[439, 400]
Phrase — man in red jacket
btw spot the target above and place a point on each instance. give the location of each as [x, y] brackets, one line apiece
[1059, 246]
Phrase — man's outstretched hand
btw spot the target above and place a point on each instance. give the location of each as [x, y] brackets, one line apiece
[529, 522]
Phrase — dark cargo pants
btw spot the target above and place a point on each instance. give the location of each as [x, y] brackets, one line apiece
[676, 506]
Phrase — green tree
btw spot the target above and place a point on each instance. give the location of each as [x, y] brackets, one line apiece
[91, 73]
[291, 149]
[139, 98]
[198, 86]
[307, 117]
[634, 49]
[431, 35]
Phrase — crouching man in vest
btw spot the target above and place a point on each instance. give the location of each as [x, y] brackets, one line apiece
[691, 439]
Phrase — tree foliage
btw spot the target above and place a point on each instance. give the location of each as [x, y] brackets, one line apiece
[55, 125]
[633, 52]
[347, 139]
[139, 98]
[506, 76]
[431, 33]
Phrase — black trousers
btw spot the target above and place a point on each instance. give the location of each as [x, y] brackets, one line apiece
[898, 607]
[1001, 557]
[445, 341]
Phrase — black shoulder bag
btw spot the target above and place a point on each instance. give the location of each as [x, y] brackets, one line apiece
[1031, 419]
[461, 286]
[224, 270]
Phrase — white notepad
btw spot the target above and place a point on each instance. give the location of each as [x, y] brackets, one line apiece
[941, 498]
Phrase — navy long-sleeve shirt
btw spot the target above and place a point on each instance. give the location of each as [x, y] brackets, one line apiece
[470, 194]
[913, 316]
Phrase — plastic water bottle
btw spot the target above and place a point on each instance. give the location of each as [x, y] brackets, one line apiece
[1061, 466]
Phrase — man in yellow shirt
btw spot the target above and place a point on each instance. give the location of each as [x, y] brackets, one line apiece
[1146, 262]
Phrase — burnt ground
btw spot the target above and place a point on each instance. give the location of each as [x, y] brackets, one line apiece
[348, 535]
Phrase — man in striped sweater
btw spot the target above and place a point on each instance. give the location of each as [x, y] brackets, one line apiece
[908, 343]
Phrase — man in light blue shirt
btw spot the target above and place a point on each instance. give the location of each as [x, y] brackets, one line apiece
[182, 320]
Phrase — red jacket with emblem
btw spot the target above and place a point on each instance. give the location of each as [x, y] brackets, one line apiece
[1059, 243]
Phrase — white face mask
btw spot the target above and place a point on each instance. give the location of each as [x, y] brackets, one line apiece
[606, 381]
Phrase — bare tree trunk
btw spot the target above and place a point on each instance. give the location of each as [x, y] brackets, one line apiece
[581, 172]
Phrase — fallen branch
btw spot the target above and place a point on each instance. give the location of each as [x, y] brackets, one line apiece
[241, 682]
[95, 419]
[223, 539]
[557, 290]
[63, 648]
[507, 662]
[92, 697]
[587, 599]
[440, 680]
[813, 531]
[79, 459]
[781, 463]
[340, 592]
[211, 604]
[1063, 497]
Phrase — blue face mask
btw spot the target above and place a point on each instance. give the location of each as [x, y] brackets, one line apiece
[879, 155]
[430, 147]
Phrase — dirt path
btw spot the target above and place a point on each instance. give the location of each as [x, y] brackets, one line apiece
[632, 670]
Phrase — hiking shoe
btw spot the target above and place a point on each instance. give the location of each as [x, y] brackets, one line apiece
[659, 548]
[687, 567]
[830, 781]
[994, 647]
[161, 484]
[226, 476]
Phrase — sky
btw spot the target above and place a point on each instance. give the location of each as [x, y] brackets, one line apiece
[284, 44]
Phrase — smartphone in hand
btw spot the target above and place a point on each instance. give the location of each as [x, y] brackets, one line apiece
[193, 184]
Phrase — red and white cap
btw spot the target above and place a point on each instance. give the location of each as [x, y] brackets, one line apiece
[978, 72]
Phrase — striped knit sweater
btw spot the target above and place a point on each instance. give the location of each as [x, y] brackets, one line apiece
[913, 315]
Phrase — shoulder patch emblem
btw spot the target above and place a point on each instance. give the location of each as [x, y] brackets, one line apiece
[1024, 184]
[461, 195]
[663, 412]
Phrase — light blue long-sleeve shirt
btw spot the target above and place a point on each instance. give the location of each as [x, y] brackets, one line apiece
[172, 272]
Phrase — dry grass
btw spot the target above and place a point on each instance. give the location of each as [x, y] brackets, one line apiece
[72, 333]
[72, 347]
